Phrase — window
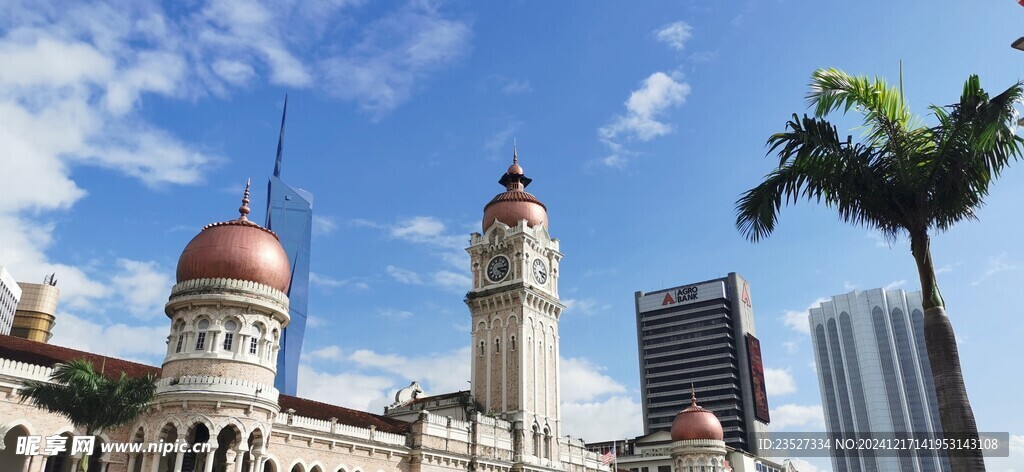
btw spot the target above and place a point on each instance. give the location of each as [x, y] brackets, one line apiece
[512, 343]
[181, 340]
[201, 337]
[497, 345]
[536, 441]
[229, 334]
[254, 340]
[482, 348]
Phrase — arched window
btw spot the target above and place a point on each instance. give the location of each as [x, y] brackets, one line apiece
[201, 335]
[230, 326]
[482, 348]
[254, 340]
[181, 337]
[512, 343]
[547, 443]
[497, 345]
[536, 441]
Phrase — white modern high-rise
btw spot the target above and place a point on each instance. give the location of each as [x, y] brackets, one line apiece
[10, 294]
[874, 374]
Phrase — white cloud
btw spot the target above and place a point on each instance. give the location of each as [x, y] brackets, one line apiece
[799, 321]
[583, 381]
[358, 391]
[1013, 463]
[944, 269]
[452, 281]
[804, 417]
[439, 373]
[498, 144]
[395, 52]
[323, 225]
[394, 314]
[234, 72]
[326, 282]
[779, 382]
[516, 86]
[144, 287]
[675, 34]
[614, 418]
[404, 276]
[333, 353]
[585, 306]
[791, 347]
[895, 284]
[144, 344]
[658, 93]
[996, 264]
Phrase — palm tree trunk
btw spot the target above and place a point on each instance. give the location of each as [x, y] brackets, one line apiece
[951, 393]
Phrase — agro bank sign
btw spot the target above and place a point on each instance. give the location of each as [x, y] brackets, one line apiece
[682, 296]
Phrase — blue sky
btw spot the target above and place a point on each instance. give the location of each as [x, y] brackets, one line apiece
[127, 127]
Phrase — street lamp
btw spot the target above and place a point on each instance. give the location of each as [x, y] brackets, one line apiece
[1018, 44]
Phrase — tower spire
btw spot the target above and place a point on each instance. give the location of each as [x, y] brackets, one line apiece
[244, 209]
[280, 139]
[693, 395]
[515, 152]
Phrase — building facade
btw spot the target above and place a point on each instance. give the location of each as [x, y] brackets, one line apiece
[290, 216]
[227, 312]
[36, 314]
[10, 294]
[874, 373]
[702, 336]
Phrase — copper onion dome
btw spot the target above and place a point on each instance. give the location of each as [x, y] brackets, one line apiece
[515, 203]
[696, 422]
[237, 249]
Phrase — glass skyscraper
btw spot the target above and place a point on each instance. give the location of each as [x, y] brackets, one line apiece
[290, 215]
[874, 374]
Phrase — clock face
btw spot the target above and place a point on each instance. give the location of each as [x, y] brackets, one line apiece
[540, 271]
[497, 269]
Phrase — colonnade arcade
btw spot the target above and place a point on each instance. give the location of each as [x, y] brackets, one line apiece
[228, 446]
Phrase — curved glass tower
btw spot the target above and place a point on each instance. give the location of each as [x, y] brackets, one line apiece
[290, 215]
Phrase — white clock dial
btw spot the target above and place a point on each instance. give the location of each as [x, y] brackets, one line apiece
[540, 271]
[497, 269]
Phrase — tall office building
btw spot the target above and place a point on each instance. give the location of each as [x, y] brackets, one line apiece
[290, 215]
[10, 294]
[702, 335]
[874, 374]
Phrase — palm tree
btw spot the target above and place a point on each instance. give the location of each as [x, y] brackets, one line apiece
[89, 399]
[902, 178]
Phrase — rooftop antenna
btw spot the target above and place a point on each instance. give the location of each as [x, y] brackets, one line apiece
[280, 139]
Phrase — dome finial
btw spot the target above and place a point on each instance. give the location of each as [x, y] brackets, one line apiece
[244, 209]
[515, 152]
[693, 395]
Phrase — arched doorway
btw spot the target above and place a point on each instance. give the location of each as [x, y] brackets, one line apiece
[168, 434]
[255, 446]
[62, 462]
[227, 441]
[9, 459]
[298, 468]
[135, 460]
[270, 466]
[197, 434]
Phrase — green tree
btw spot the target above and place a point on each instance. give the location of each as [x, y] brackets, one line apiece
[92, 401]
[902, 178]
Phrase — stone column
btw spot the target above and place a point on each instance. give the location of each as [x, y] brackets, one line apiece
[179, 460]
[131, 462]
[209, 459]
[154, 464]
[239, 457]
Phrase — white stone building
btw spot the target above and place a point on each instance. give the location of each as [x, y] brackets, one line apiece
[215, 386]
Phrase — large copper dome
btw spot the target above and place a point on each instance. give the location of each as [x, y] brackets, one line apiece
[696, 422]
[238, 249]
[515, 203]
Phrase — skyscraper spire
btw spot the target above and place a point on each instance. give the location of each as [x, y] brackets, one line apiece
[280, 139]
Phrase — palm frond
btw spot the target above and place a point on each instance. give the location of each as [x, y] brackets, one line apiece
[883, 107]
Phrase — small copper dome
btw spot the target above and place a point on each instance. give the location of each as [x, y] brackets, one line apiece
[696, 422]
[515, 203]
[238, 249]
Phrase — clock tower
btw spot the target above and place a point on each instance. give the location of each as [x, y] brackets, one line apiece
[515, 309]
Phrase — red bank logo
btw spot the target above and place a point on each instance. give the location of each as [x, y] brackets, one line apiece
[684, 294]
[745, 297]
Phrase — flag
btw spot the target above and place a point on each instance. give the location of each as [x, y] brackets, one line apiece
[609, 456]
